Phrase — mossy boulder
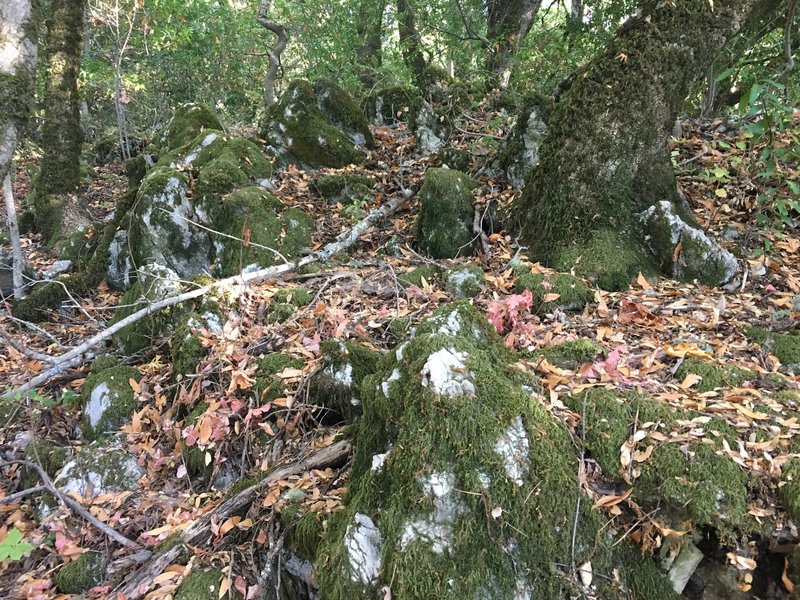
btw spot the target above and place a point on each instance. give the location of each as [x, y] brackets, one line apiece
[415, 276]
[444, 224]
[520, 150]
[47, 454]
[100, 468]
[340, 108]
[464, 282]
[690, 480]
[297, 131]
[386, 106]
[572, 354]
[712, 375]
[345, 188]
[108, 400]
[681, 249]
[337, 385]
[432, 129]
[455, 158]
[786, 346]
[81, 574]
[186, 123]
[203, 585]
[552, 291]
[460, 475]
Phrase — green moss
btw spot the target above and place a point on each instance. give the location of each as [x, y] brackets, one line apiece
[465, 282]
[455, 158]
[272, 227]
[244, 483]
[219, 177]
[279, 313]
[49, 210]
[116, 402]
[344, 187]
[573, 294]
[187, 122]
[785, 346]
[193, 456]
[306, 535]
[135, 169]
[268, 386]
[336, 104]
[713, 376]
[790, 488]
[46, 454]
[187, 350]
[203, 585]
[607, 258]
[572, 354]
[454, 437]
[81, 574]
[296, 296]
[391, 104]
[444, 224]
[417, 274]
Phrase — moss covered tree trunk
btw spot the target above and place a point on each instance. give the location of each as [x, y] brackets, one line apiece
[604, 159]
[409, 41]
[370, 28]
[508, 23]
[58, 208]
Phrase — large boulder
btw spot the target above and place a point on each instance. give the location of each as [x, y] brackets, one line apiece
[520, 151]
[316, 126]
[682, 249]
[444, 224]
[430, 128]
[186, 123]
[461, 476]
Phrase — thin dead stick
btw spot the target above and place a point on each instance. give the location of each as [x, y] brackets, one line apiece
[49, 486]
[22, 349]
[343, 242]
[198, 533]
[13, 232]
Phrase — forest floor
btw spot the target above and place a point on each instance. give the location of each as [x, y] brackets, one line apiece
[645, 331]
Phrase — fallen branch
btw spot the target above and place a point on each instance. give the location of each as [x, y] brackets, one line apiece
[343, 241]
[49, 486]
[199, 533]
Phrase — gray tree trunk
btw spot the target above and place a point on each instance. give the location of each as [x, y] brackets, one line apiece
[508, 24]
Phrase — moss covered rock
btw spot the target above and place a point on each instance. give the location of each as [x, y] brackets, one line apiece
[520, 151]
[416, 275]
[450, 433]
[465, 282]
[430, 128]
[297, 131]
[786, 346]
[186, 123]
[50, 456]
[337, 385]
[681, 249]
[108, 400]
[386, 106]
[340, 108]
[203, 585]
[455, 158]
[100, 468]
[81, 574]
[345, 188]
[559, 290]
[444, 224]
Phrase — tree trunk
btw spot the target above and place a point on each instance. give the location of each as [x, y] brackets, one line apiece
[604, 159]
[409, 42]
[17, 78]
[509, 22]
[58, 209]
[370, 29]
[274, 53]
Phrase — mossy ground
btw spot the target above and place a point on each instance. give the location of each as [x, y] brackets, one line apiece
[187, 349]
[785, 346]
[203, 584]
[415, 276]
[572, 354]
[567, 291]
[50, 456]
[81, 574]
[790, 488]
[347, 187]
[267, 386]
[713, 376]
[458, 434]
[444, 223]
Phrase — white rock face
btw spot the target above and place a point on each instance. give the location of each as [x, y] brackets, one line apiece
[436, 528]
[445, 372]
[513, 447]
[119, 264]
[363, 543]
[386, 385]
[99, 401]
[378, 460]
[192, 156]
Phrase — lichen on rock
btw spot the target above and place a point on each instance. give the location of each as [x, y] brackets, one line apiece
[100, 468]
[465, 282]
[390, 105]
[430, 128]
[444, 224]
[520, 151]
[108, 400]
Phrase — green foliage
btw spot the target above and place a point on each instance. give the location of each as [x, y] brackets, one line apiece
[13, 547]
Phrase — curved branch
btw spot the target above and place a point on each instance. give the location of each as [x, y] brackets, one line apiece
[275, 53]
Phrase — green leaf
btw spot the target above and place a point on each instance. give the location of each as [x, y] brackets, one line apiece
[723, 75]
[13, 547]
[721, 193]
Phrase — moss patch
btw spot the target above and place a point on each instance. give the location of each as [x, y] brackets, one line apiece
[108, 400]
[81, 574]
[553, 291]
[465, 282]
[336, 104]
[46, 454]
[415, 276]
[268, 386]
[572, 354]
[186, 123]
[455, 158]
[345, 188]
[187, 350]
[714, 376]
[790, 488]
[785, 346]
[203, 585]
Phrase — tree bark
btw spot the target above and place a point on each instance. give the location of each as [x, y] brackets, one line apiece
[508, 24]
[274, 53]
[370, 29]
[59, 212]
[604, 159]
[409, 42]
[18, 34]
